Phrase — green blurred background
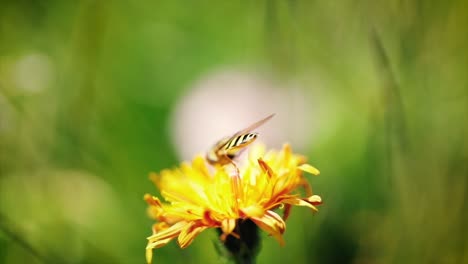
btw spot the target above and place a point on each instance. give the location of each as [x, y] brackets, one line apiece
[87, 89]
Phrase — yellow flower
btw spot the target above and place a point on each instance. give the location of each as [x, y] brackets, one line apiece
[201, 197]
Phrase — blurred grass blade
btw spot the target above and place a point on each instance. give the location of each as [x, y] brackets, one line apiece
[391, 96]
[9, 229]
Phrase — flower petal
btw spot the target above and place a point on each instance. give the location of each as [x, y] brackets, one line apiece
[273, 224]
[253, 211]
[157, 227]
[287, 211]
[315, 199]
[266, 168]
[228, 225]
[152, 200]
[149, 255]
[309, 168]
[199, 164]
[158, 243]
[308, 202]
[189, 233]
[162, 237]
[153, 245]
[170, 232]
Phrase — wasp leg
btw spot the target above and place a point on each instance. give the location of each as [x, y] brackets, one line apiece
[237, 169]
[229, 160]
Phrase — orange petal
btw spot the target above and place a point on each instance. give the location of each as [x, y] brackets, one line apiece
[152, 200]
[149, 255]
[163, 237]
[309, 168]
[287, 153]
[153, 245]
[236, 187]
[158, 227]
[273, 224]
[315, 199]
[199, 164]
[253, 211]
[154, 178]
[189, 233]
[287, 211]
[158, 243]
[208, 219]
[170, 232]
[264, 166]
[228, 225]
[308, 202]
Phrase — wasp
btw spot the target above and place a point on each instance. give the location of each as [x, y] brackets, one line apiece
[226, 149]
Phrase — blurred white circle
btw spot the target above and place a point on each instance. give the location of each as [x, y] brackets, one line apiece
[224, 102]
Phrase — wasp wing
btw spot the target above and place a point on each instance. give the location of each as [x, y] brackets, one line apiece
[252, 126]
[235, 148]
